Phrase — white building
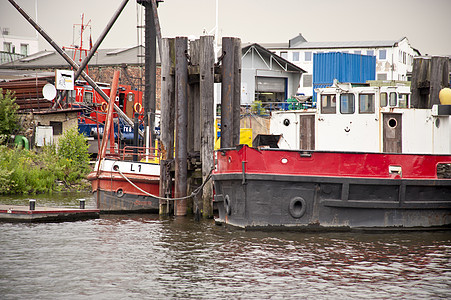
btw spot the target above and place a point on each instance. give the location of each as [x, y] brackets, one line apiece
[13, 47]
[394, 59]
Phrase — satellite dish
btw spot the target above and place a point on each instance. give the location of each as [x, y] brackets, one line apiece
[49, 91]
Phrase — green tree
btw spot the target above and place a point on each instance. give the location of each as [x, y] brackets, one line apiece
[9, 120]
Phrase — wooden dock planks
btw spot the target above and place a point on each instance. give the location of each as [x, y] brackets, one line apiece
[16, 213]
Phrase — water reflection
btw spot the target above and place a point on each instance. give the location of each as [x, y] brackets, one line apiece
[143, 256]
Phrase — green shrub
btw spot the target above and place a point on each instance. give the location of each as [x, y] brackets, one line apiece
[25, 171]
[9, 120]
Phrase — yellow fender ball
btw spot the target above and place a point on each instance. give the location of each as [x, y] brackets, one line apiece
[445, 96]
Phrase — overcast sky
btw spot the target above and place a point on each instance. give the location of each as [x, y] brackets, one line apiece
[426, 24]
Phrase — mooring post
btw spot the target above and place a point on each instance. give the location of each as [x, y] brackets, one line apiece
[230, 88]
[167, 120]
[206, 66]
[193, 143]
[236, 90]
[181, 98]
[32, 204]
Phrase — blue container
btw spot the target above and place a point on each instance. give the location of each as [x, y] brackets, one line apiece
[345, 67]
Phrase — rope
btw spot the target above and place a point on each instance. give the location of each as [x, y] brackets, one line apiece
[193, 194]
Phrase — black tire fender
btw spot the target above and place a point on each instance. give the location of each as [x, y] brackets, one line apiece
[297, 207]
[227, 205]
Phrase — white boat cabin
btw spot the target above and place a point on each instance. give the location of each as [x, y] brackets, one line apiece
[364, 119]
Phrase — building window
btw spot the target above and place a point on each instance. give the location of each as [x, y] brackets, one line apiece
[295, 56]
[308, 56]
[366, 103]
[357, 52]
[24, 49]
[382, 54]
[347, 105]
[308, 82]
[383, 100]
[370, 52]
[393, 100]
[328, 104]
[7, 47]
[284, 54]
[382, 76]
[57, 127]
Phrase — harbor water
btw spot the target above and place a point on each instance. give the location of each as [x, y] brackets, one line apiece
[148, 257]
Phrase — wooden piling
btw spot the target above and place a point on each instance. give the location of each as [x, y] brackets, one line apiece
[206, 66]
[236, 90]
[230, 92]
[181, 99]
[430, 75]
[193, 142]
[167, 120]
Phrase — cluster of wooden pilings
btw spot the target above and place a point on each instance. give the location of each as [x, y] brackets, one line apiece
[187, 126]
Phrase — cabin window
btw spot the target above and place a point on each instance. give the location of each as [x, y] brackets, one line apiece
[295, 56]
[393, 99]
[366, 103]
[308, 56]
[87, 97]
[347, 105]
[328, 104]
[384, 101]
[403, 100]
[131, 97]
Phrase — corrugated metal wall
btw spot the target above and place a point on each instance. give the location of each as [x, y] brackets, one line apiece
[344, 67]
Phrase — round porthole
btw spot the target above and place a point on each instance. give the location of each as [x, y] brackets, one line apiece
[286, 122]
[120, 193]
[392, 123]
[116, 168]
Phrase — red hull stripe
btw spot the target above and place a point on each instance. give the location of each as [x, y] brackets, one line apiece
[329, 164]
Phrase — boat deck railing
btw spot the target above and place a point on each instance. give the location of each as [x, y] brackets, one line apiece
[135, 153]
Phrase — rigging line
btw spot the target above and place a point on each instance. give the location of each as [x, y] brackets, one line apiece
[193, 193]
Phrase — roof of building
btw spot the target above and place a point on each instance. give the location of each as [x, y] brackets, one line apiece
[299, 42]
[264, 51]
[103, 57]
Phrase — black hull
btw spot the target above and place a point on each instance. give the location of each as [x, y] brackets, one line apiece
[111, 202]
[332, 203]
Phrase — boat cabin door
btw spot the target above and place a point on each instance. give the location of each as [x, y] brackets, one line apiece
[392, 133]
[307, 132]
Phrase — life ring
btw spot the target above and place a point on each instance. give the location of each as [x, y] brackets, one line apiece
[297, 207]
[104, 106]
[138, 107]
[227, 207]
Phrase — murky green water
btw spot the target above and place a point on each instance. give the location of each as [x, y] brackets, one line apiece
[145, 257]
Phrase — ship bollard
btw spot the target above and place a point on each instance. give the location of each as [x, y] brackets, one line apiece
[82, 203]
[32, 204]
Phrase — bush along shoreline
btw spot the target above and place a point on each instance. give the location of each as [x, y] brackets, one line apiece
[51, 168]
